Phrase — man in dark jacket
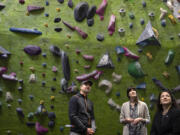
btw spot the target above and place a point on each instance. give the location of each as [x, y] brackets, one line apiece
[81, 113]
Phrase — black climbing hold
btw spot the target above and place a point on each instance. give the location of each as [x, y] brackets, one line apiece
[80, 12]
[56, 20]
[58, 29]
[91, 12]
[100, 37]
[90, 22]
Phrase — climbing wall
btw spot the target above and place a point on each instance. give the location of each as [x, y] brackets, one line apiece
[153, 63]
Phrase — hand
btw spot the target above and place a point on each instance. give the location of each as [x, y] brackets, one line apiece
[90, 131]
[129, 120]
[137, 120]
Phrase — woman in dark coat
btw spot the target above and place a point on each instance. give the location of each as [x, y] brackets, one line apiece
[167, 118]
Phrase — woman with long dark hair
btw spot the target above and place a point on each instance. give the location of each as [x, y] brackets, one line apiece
[167, 118]
[134, 114]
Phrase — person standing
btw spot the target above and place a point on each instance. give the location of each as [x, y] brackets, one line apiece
[167, 118]
[81, 112]
[134, 115]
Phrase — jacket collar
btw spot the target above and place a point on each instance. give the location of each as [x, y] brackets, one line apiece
[79, 94]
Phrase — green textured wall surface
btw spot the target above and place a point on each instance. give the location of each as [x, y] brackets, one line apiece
[107, 119]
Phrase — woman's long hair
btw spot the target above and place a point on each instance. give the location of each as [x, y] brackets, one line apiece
[173, 100]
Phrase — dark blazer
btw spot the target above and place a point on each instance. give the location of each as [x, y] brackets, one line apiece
[81, 113]
[170, 124]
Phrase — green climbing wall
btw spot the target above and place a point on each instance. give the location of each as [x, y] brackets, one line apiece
[107, 119]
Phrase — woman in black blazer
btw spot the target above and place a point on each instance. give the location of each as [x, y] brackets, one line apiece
[167, 118]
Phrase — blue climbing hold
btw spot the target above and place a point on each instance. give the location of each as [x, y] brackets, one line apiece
[131, 25]
[47, 3]
[142, 21]
[163, 23]
[44, 55]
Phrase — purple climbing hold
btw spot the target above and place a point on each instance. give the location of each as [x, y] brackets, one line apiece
[32, 50]
[21, 1]
[84, 77]
[159, 84]
[144, 4]
[97, 76]
[51, 124]
[34, 8]
[88, 57]
[3, 70]
[20, 112]
[68, 25]
[40, 129]
[81, 33]
[111, 26]
[54, 69]
[87, 66]
[70, 4]
[30, 124]
[100, 11]
[9, 77]
[130, 54]
[51, 115]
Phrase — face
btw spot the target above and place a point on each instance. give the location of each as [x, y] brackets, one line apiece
[85, 88]
[132, 93]
[165, 98]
